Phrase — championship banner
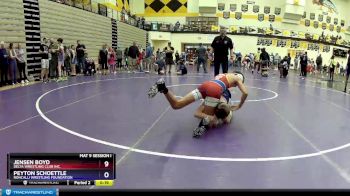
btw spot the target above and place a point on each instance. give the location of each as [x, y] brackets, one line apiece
[289, 43]
[238, 15]
[304, 45]
[286, 33]
[215, 28]
[233, 29]
[226, 15]
[301, 35]
[274, 42]
[315, 37]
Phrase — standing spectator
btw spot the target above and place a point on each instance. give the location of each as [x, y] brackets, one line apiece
[80, 57]
[111, 60]
[140, 59]
[169, 59]
[202, 58]
[296, 61]
[67, 61]
[177, 57]
[277, 59]
[53, 50]
[13, 64]
[148, 58]
[264, 62]
[221, 44]
[119, 55]
[103, 59]
[44, 51]
[158, 54]
[74, 60]
[319, 63]
[133, 54]
[289, 59]
[3, 64]
[332, 66]
[143, 23]
[21, 64]
[347, 71]
[303, 65]
[257, 61]
[60, 52]
[126, 56]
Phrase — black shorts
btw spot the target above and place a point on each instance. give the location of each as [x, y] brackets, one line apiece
[169, 61]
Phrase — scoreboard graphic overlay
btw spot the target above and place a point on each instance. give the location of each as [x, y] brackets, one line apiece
[61, 169]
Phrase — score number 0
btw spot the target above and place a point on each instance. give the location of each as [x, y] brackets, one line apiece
[106, 174]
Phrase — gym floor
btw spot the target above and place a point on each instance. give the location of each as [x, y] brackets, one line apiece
[291, 133]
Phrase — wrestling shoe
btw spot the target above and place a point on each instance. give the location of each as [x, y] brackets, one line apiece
[199, 131]
[159, 86]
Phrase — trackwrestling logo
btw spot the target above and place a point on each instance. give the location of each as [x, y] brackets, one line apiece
[10, 192]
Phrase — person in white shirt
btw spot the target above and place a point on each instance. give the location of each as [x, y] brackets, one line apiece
[21, 64]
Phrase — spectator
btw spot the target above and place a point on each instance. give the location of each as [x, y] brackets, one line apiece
[133, 54]
[119, 55]
[111, 60]
[80, 51]
[220, 46]
[284, 66]
[60, 52]
[319, 63]
[45, 63]
[202, 58]
[257, 60]
[3, 64]
[103, 59]
[177, 57]
[126, 56]
[332, 66]
[74, 60]
[143, 23]
[160, 64]
[148, 58]
[158, 54]
[182, 67]
[303, 65]
[12, 64]
[21, 63]
[53, 50]
[67, 61]
[347, 72]
[169, 59]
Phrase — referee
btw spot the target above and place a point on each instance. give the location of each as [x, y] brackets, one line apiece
[220, 46]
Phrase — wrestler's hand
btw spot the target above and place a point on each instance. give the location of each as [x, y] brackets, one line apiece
[234, 107]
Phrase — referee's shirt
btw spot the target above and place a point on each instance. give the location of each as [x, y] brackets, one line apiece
[221, 47]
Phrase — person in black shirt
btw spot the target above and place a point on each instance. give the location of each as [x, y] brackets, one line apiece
[133, 54]
[347, 71]
[80, 50]
[221, 45]
[303, 64]
[44, 51]
[264, 61]
[169, 56]
[102, 59]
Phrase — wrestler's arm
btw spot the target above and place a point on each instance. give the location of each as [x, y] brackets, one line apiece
[244, 96]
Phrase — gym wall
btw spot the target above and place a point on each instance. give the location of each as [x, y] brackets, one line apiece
[72, 24]
[12, 21]
[127, 34]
